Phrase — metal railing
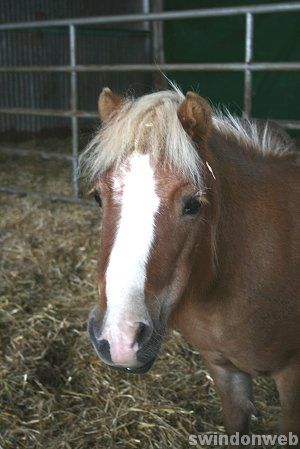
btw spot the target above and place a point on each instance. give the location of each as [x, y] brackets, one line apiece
[248, 67]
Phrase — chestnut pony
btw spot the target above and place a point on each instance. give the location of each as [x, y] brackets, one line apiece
[200, 232]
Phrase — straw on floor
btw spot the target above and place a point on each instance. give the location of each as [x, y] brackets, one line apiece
[54, 392]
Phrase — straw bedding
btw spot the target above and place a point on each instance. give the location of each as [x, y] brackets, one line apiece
[54, 392]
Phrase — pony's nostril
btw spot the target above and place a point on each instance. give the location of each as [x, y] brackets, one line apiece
[104, 350]
[143, 334]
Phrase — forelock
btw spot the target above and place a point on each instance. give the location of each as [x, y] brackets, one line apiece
[147, 125]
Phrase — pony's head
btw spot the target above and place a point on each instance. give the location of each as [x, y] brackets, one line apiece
[152, 175]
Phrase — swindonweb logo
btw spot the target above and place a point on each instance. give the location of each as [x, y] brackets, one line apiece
[217, 439]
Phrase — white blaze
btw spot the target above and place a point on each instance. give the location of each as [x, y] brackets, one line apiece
[126, 271]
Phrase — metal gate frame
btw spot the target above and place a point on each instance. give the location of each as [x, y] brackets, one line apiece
[156, 17]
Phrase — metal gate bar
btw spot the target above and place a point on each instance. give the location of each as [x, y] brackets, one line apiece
[185, 67]
[248, 60]
[73, 104]
[46, 196]
[150, 17]
[247, 67]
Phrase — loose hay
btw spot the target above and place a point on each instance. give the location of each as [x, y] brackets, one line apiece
[55, 393]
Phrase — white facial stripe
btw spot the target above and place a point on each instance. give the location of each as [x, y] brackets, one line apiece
[126, 271]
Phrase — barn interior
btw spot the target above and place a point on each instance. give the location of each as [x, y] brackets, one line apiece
[55, 393]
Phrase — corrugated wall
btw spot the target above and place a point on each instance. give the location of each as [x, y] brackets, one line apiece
[124, 44]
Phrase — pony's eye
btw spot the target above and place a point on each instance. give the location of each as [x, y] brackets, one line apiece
[97, 198]
[191, 207]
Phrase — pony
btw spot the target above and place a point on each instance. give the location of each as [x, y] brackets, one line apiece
[200, 233]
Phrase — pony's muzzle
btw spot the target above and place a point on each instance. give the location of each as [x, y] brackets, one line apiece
[120, 346]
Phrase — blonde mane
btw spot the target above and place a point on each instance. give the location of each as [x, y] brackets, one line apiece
[263, 137]
[150, 124]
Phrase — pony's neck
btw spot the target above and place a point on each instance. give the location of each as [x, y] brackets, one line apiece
[253, 191]
[254, 239]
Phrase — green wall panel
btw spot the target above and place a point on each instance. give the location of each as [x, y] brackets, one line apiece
[221, 39]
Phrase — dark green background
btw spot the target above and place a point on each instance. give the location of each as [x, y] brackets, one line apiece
[222, 39]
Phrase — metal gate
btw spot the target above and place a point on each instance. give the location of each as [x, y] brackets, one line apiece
[73, 68]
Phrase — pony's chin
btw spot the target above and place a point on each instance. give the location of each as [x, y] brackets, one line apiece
[138, 370]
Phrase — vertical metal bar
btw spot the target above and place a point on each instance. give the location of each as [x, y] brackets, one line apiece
[159, 80]
[147, 26]
[73, 104]
[146, 10]
[248, 60]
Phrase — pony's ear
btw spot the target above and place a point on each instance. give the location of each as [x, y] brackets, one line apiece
[194, 114]
[108, 103]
